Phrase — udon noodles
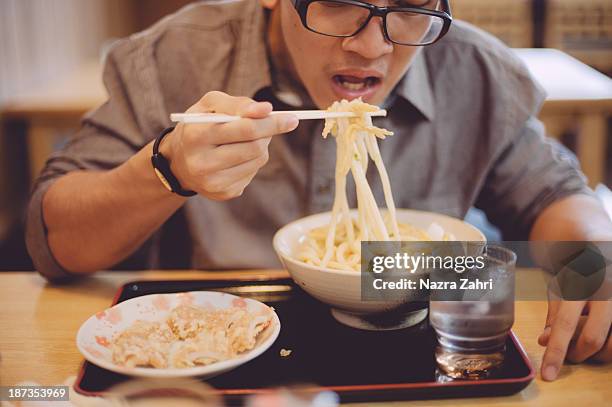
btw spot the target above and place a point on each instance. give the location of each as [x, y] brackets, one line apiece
[338, 245]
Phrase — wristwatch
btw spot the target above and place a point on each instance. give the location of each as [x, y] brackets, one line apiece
[161, 166]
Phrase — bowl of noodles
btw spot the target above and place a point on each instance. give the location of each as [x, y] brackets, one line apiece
[338, 283]
[322, 252]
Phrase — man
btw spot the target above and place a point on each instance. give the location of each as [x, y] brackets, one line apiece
[463, 110]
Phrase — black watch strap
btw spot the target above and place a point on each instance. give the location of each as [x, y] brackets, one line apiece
[162, 168]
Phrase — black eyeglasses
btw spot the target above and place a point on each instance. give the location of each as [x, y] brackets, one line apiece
[411, 22]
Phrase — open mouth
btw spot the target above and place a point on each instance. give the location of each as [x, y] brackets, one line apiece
[354, 83]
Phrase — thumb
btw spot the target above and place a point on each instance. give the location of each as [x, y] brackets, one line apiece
[219, 102]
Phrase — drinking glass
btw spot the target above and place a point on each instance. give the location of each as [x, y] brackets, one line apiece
[472, 330]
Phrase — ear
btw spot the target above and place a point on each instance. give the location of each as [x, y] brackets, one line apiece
[269, 4]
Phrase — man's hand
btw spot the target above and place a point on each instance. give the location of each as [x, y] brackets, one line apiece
[576, 330]
[218, 161]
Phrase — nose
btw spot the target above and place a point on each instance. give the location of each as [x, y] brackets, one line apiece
[370, 43]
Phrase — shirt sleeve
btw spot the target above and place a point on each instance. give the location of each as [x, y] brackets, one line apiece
[93, 149]
[532, 172]
[108, 137]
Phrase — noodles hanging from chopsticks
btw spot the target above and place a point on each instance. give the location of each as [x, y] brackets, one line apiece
[338, 245]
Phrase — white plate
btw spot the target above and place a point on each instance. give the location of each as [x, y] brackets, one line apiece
[95, 334]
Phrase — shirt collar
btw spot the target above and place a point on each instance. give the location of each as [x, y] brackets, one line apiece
[415, 87]
[263, 74]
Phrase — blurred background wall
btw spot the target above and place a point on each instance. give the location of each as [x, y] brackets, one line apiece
[42, 39]
[51, 50]
[582, 28]
[45, 44]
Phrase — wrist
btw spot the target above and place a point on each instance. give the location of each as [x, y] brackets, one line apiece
[162, 166]
[137, 175]
[166, 147]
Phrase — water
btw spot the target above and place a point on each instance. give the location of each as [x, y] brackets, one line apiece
[471, 336]
[472, 324]
[472, 332]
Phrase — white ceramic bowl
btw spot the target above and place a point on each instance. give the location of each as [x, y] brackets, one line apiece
[342, 289]
[96, 333]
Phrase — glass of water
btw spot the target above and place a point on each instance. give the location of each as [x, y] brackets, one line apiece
[472, 324]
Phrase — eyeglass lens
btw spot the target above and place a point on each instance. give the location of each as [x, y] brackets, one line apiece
[344, 20]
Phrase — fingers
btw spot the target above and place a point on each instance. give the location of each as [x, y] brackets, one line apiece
[562, 330]
[240, 130]
[219, 160]
[260, 125]
[233, 190]
[553, 309]
[594, 335]
[219, 102]
[226, 182]
[588, 334]
[230, 155]
[605, 354]
[249, 129]
[544, 337]
[222, 180]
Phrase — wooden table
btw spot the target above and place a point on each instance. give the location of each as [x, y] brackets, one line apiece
[579, 100]
[38, 325]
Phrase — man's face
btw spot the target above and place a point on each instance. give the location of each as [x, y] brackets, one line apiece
[330, 68]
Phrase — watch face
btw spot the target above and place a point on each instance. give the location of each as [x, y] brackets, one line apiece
[163, 179]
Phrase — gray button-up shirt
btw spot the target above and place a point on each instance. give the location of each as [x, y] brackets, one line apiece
[464, 118]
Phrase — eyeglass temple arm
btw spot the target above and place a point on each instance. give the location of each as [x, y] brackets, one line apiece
[448, 7]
